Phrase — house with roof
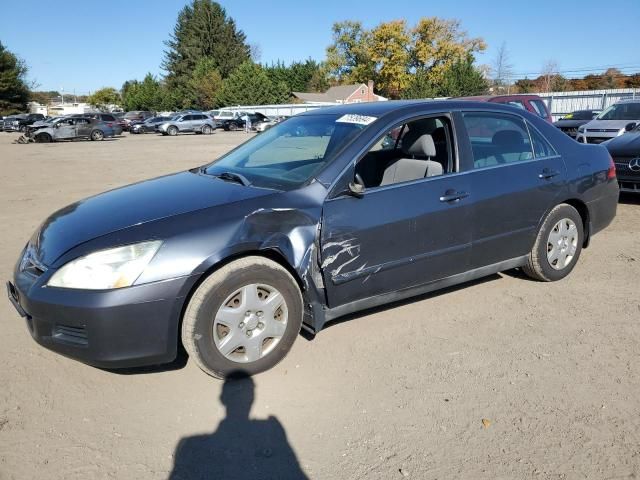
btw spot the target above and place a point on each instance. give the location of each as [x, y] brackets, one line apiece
[355, 93]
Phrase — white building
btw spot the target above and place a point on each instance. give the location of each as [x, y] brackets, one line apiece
[68, 109]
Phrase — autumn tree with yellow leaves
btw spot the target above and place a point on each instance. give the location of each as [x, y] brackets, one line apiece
[400, 58]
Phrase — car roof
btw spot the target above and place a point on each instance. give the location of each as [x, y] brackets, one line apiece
[378, 109]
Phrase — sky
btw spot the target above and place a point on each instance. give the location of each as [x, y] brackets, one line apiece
[81, 46]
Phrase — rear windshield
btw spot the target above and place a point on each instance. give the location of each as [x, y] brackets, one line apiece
[290, 153]
[621, 111]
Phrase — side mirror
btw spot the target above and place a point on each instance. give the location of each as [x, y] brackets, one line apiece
[356, 188]
[630, 126]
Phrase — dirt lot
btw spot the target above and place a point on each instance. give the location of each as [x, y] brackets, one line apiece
[553, 369]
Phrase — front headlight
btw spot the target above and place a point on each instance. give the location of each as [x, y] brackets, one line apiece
[106, 269]
[581, 128]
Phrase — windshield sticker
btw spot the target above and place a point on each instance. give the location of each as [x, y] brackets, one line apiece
[357, 119]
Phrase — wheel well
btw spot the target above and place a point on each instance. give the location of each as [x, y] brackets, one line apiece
[583, 210]
[271, 254]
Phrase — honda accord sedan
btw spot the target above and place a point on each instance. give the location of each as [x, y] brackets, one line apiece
[331, 212]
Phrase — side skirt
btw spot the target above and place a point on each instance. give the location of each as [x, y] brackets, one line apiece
[371, 302]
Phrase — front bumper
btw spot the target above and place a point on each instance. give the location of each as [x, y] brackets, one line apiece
[127, 327]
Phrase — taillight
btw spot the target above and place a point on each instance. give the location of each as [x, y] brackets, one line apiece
[611, 173]
[109, 125]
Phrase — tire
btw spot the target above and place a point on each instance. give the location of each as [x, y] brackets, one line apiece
[204, 327]
[233, 127]
[558, 245]
[42, 138]
[22, 128]
[206, 130]
[97, 135]
[173, 131]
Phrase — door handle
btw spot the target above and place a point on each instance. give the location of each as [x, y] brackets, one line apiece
[452, 196]
[547, 174]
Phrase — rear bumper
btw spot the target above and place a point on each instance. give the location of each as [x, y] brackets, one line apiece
[603, 210]
[127, 327]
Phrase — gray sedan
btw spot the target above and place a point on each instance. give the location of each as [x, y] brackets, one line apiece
[69, 128]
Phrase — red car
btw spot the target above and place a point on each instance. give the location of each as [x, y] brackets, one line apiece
[531, 103]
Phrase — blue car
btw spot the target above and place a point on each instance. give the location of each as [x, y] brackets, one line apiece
[327, 213]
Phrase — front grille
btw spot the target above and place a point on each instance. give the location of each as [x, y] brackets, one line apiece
[622, 167]
[69, 334]
[602, 130]
[597, 140]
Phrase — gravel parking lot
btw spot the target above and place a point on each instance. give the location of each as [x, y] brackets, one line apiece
[501, 378]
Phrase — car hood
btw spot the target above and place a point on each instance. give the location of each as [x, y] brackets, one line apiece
[134, 205]
[627, 145]
[608, 124]
[570, 123]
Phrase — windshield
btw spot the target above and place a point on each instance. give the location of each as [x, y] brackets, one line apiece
[290, 153]
[621, 111]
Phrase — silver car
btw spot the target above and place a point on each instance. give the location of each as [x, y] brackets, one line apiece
[70, 128]
[188, 122]
[612, 122]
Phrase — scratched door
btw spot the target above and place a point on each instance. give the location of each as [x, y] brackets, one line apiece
[395, 237]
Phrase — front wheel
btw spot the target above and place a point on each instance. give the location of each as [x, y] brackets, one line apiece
[172, 131]
[558, 245]
[207, 130]
[243, 319]
[42, 138]
[97, 135]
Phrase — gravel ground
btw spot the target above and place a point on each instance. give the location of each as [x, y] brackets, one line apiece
[501, 378]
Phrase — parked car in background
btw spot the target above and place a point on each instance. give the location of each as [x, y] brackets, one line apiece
[229, 259]
[19, 123]
[135, 116]
[569, 123]
[150, 125]
[530, 103]
[238, 123]
[189, 122]
[224, 115]
[108, 118]
[611, 122]
[625, 151]
[72, 127]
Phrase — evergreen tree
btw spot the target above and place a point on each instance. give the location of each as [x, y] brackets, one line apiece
[14, 92]
[250, 85]
[203, 30]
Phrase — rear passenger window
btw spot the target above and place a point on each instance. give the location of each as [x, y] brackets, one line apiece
[541, 147]
[497, 139]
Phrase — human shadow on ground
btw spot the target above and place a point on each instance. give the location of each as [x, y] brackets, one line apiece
[240, 448]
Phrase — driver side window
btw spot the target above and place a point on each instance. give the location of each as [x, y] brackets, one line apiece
[418, 149]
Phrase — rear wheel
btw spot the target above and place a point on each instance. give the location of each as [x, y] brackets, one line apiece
[97, 135]
[206, 130]
[558, 245]
[172, 131]
[243, 318]
[233, 127]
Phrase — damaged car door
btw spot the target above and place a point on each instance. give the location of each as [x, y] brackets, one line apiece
[65, 129]
[404, 220]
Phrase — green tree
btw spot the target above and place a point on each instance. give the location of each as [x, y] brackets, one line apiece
[203, 30]
[398, 57]
[14, 92]
[205, 83]
[104, 97]
[250, 85]
[460, 79]
[307, 76]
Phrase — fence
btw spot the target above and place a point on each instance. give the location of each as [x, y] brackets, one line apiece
[280, 110]
[561, 103]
